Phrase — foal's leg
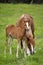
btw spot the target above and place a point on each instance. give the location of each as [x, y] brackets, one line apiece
[24, 48]
[18, 45]
[11, 45]
[6, 45]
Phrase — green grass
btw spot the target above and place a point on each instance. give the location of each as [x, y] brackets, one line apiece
[9, 14]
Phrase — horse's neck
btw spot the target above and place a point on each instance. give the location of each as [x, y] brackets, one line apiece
[20, 25]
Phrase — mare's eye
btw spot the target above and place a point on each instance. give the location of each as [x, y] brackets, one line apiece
[29, 24]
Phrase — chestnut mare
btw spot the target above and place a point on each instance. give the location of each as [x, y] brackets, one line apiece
[27, 18]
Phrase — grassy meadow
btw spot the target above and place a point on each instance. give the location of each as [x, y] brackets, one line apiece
[9, 14]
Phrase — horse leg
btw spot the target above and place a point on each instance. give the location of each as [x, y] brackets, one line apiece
[21, 45]
[28, 51]
[32, 46]
[24, 48]
[28, 47]
[6, 45]
[18, 45]
[11, 45]
[34, 51]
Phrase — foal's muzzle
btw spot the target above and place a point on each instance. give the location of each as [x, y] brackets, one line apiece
[27, 30]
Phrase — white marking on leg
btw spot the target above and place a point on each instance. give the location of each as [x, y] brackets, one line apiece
[28, 51]
[10, 45]
[17, 50]
[10, 51]
[6, 45]
[24, 48]
[32, 48]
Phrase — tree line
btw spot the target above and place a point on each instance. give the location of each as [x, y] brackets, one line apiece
[22, 1]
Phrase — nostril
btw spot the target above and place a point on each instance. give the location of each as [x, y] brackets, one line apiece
[27, 29]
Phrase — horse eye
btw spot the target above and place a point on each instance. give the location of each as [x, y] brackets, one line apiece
[29, 24]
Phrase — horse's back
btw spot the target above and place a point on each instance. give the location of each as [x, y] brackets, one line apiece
[9, 29]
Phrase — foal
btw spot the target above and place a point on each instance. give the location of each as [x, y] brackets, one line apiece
[17, 32]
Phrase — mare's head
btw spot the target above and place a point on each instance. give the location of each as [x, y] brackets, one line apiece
[24, 21]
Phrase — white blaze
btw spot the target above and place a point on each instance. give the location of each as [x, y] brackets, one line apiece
[28, 27]
[27, 24]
